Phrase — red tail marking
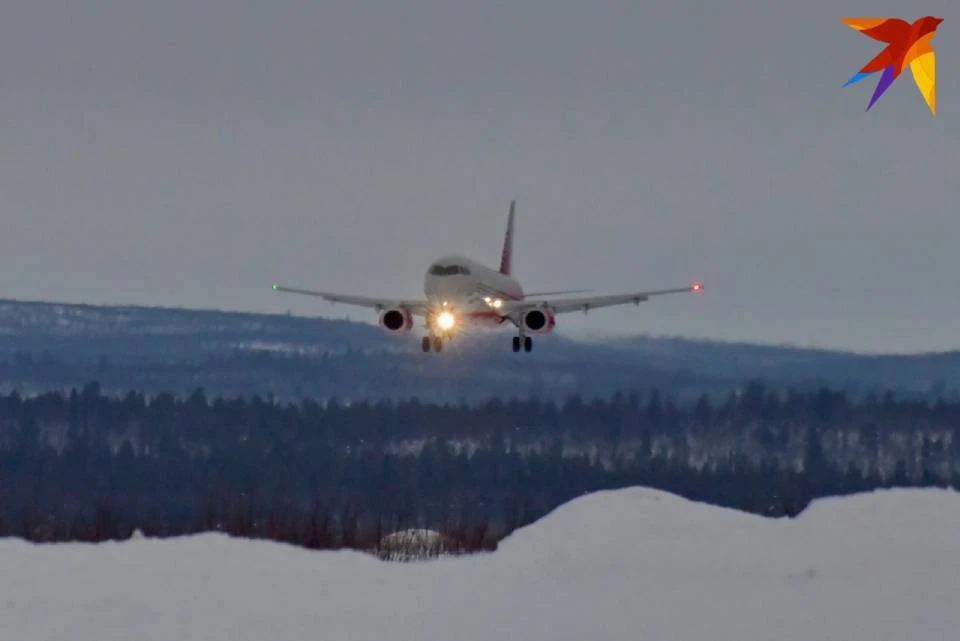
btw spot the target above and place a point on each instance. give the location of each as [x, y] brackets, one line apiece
[506, 258]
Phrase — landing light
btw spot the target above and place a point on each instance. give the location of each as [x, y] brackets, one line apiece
[445, 320]
[498, 303]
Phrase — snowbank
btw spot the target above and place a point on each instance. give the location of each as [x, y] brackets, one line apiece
[629, 564]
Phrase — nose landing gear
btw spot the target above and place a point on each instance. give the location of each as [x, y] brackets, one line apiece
[431, 342]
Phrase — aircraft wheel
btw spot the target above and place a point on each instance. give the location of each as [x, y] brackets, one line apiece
[425, 344]
[438, 344]
[527, 343]
[516, 343]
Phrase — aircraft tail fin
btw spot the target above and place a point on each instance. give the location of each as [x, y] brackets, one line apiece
[506, 258]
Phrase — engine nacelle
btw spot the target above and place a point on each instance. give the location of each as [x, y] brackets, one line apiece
[396, 320]
[539, 321]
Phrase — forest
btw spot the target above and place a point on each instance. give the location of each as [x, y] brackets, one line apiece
[89, 466]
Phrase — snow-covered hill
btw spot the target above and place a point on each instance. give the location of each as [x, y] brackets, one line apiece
[628, 564]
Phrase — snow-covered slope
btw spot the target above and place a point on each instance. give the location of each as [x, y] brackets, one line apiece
[629, 564]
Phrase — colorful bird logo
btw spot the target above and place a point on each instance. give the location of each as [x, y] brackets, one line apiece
[906, 44]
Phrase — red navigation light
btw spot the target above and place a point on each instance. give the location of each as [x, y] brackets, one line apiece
[696, 287]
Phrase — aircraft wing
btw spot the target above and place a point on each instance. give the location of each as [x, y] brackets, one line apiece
[379, 304]
[586, 303]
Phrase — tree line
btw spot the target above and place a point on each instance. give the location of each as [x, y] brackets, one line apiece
[88, 466]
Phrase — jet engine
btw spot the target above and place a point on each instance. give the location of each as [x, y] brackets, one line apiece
[396, 321]
[539, 321]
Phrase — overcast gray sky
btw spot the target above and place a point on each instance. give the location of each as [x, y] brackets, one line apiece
[191, 153]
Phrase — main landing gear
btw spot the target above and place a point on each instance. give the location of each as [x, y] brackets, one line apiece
[525, 340]
[436, 342]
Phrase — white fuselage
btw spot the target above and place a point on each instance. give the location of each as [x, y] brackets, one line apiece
[472, 289]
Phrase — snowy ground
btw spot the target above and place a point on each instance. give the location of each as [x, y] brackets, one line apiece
[631, 564]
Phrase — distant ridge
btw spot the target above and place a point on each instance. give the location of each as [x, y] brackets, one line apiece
[229, 352]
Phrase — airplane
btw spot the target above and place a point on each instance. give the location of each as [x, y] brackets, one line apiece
[461, 292]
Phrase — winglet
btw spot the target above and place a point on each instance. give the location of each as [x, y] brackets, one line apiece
[506, 258]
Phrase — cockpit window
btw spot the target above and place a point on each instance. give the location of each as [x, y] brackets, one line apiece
[449, 270]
